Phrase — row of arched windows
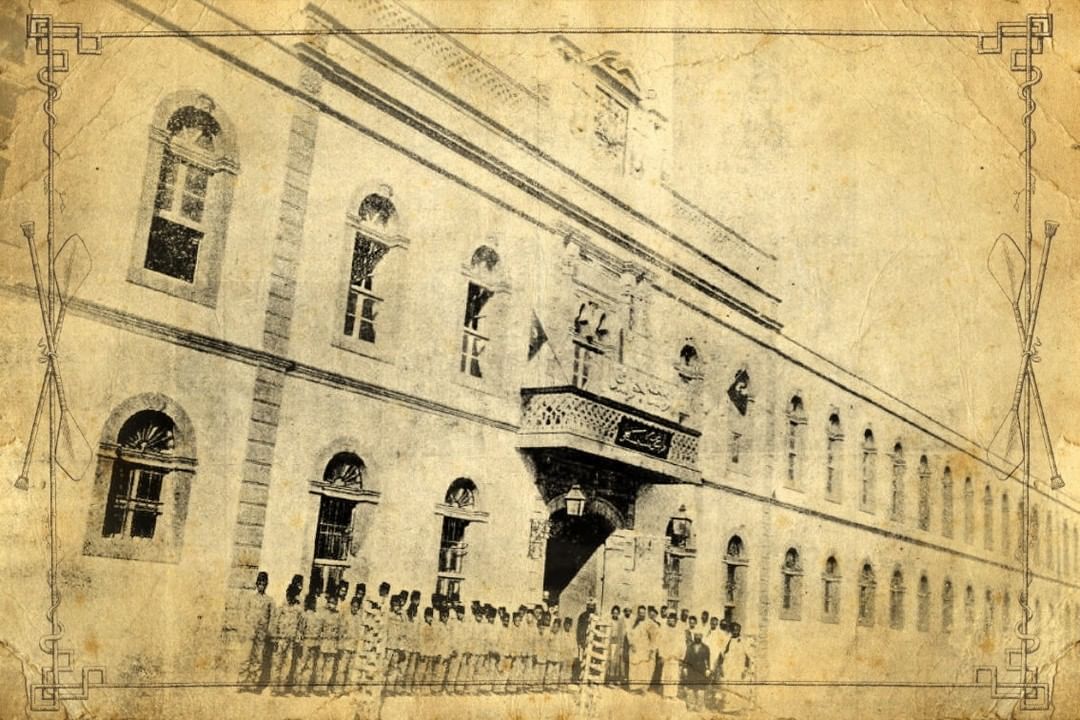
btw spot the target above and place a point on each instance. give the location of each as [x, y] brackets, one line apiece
[978, 507]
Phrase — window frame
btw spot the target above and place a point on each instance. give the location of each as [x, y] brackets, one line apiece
[222, 168]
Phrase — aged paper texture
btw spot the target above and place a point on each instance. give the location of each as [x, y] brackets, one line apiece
[414, 359]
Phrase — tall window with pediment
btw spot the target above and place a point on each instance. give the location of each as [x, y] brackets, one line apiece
[948, 492]
[458, 511]
[896, 504]
[739, 395]
[988, 518]
[145, 467]
[364, 299]
[1006, 534]
[338, 490]
[868, 471]
[736, 565]
[791, 586]
[796, 422]
[969, 607]
[969, 511]
[834, 452]
[830, 591]
[924, 493]
[591, 333]
[187, 198]
[923, 620]
[947, 602]
[867, 595]
[988, 612]
[484, 281]
[896, 600]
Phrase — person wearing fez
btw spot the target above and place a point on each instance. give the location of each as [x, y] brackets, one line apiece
[247, 618]
[285, 634]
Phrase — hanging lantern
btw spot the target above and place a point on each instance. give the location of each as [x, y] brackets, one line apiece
[680, 526]
[575, 502]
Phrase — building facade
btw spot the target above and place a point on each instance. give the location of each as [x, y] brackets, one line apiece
[370, 309]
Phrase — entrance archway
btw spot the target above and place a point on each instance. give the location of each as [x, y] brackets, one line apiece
[572, 563]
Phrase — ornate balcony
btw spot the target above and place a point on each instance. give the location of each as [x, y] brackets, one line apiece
[580, 420]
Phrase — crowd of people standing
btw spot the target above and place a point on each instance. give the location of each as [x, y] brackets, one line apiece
[331, 643]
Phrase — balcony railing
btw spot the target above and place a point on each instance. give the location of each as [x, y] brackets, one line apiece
[574, 417]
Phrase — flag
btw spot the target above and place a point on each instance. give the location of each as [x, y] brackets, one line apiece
[537, 337]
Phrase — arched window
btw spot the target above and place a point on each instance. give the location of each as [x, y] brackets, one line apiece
[924, 493]
[1035, 544]
[896, 505]
[145, 465]
[186, 200]
[867, 592]
[831, 591]
[342, 484]
[924, 604]
[1006, 535]
[1048, 559]
[791, 586]
[947, 606]
[370, 244]
[145, 444]
[988, 612]
[796, 419]
[1022, 530]
[868, 471]
[896, 600]
[947, 495]
[834, 443]
[1064, 565]
[969, 510]
[476, 335]
[1006, 610]
[458, 513]
[735, 566]
[988, 518]
[969, 607]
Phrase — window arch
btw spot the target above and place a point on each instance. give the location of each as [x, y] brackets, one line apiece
[796, 420]
[339, 491]
[735, 566]
[947, 501]
[896, 504]
[461, 494]
[484, 275]
[969, 607]
[924, 493]
[868, 471]
[947, 602]
[969, 510]
[371, 242]
[867, 592]
[1006, 535]
[146, 461]
[345, 470]
[187, 195]
[791, 586]
[988, 518]
[831, 591]
[924, 604]
[834, 443]
[896, 600]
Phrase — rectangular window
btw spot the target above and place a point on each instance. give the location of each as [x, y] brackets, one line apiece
[134, 501]
[361, 303]
[176, 228]
[831, 600]
[735, 447]
[474, 339]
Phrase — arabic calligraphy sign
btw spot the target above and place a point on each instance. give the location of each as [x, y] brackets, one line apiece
[644, 438]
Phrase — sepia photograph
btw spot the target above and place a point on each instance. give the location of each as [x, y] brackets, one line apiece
[417, 359]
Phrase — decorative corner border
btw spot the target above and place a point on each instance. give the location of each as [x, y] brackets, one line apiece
[61, 681]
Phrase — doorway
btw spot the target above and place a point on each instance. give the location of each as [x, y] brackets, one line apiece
[573, 569]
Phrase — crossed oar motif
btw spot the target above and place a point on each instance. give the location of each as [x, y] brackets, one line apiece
[1008, 266]
[69, 268]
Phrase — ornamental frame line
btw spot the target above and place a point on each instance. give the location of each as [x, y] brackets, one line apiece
[59, 679]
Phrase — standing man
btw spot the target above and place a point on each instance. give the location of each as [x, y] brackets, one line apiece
[584, 630]
[672, 651]
[329, 642]
[244, 633]
[285, 632]
[696, 663]
[616, 660]
[640, 651]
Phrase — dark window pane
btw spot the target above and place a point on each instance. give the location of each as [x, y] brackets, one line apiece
[350, 312]
[143, 523]
[192, 207]
[334, 528]
[172, 249]
[149, 486]
[114, 509]
[166, 180]
[367, 323]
